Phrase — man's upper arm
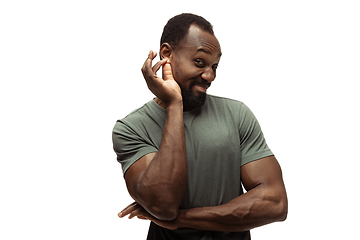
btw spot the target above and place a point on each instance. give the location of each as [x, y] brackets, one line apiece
[133, 152]
[253, 145]
[266, 174]
[134, 173]
[130, 143]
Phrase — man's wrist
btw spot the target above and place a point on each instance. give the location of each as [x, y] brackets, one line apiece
[181, 220]
[175, 104]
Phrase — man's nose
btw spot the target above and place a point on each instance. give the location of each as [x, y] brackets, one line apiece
[208, 74]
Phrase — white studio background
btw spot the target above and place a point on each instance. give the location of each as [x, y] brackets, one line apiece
[70, 69]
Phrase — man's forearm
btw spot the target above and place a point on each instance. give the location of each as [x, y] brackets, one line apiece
[253, 209]
[163, 184]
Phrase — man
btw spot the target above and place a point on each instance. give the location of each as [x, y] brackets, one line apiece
[185, 155]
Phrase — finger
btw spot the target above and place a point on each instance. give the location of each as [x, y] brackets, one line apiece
[146, 68]
[167, 72]
[152, 54]
[128, 210]
[129, 206]
[137, 212]
[157, 65]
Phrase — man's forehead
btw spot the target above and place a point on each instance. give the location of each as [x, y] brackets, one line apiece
[201, 40]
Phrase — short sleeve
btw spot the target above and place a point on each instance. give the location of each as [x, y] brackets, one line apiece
[128, 145]
[252, 141]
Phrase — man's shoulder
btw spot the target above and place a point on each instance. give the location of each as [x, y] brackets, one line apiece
[142, 116]
[145, 110]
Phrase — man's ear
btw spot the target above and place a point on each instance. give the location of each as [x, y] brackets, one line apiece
[166, 51]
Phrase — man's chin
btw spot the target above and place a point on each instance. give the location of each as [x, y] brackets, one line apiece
[192, 101]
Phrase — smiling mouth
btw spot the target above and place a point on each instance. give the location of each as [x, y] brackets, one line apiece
[201, 88]
[202, 85]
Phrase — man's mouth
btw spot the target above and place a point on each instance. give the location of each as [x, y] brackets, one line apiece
[202, 86]
[195, 95]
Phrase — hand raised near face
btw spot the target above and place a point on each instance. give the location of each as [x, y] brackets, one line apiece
[167, 89]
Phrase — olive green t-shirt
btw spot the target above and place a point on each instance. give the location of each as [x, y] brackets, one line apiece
[221, 136]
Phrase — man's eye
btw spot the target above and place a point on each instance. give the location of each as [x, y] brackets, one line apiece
[199, 62]
[214, 67]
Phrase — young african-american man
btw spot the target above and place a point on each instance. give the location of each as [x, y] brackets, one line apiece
[187, 155]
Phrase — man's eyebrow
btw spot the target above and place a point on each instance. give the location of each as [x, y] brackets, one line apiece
[207, 51]
[203, 50]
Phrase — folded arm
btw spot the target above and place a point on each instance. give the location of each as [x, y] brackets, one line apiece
[157, 181]
[264, 202]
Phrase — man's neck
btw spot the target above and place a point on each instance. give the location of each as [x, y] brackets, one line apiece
[163, 105]
[160, 103]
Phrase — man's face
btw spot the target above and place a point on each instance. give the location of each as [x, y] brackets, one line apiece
[194, 65]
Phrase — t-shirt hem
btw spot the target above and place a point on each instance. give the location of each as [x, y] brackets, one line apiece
[138, 155]
[257, 156]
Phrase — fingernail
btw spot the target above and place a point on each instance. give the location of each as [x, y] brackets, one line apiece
[120, 215]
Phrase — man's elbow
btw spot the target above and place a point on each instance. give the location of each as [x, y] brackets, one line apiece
[164, 212]
[282, 210]
[162, 209]
[161, 206]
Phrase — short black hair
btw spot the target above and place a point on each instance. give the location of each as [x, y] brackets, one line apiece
[177, 28]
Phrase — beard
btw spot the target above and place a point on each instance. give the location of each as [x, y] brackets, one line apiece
[190, 100]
